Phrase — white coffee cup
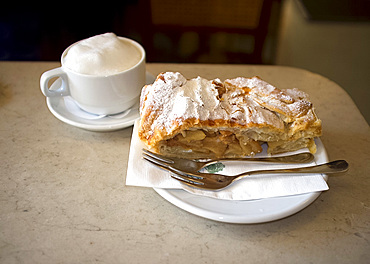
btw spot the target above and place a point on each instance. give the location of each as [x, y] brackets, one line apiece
[103, 95]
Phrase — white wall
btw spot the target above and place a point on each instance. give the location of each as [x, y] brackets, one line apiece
[336, 50]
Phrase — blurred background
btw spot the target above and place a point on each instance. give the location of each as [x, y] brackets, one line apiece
[328, 37]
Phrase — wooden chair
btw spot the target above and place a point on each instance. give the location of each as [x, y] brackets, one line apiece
[206, 18]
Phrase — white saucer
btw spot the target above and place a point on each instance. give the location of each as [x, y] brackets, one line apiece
[244, 212]
[65, 110]
[238, 212]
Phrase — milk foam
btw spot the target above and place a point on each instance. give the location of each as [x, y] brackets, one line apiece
[102, 55]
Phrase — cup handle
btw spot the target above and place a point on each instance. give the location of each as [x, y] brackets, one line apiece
[62, 90]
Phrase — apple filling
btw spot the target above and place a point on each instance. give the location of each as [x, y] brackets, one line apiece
[223, 143]
[205, 144]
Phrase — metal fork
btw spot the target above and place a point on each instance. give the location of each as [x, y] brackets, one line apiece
[211, 181]
[196, 165]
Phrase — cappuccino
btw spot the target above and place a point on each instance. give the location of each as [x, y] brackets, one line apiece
[103, 74]
[102, 55]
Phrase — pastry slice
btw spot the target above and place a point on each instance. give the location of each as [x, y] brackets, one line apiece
[202, 118]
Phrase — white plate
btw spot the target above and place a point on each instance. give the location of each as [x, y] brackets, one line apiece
[61, 108]
[244, 212]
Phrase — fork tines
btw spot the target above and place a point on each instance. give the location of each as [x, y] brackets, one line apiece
[179, 175]
[150, 154]
[188, 180]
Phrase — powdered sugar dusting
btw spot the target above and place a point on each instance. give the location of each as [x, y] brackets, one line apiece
[289, 102]
[172, 99]
[179, 99]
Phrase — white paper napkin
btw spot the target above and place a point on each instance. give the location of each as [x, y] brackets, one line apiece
[144, 174]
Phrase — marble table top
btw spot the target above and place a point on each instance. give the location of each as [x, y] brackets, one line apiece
[63, 197]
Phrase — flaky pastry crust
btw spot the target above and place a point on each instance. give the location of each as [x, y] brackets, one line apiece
[202, 118]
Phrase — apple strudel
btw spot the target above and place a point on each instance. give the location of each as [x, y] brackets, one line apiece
[202, 118]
